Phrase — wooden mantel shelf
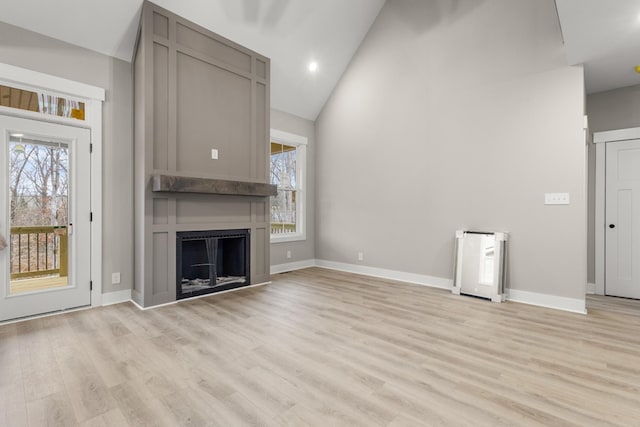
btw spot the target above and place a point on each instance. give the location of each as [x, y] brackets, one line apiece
[185, 184]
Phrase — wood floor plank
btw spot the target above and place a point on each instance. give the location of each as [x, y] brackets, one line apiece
[109, 419]
[320, 347]
[40, 372]
[187, 410]
[138, 411]
[53, 410]
[13, 407]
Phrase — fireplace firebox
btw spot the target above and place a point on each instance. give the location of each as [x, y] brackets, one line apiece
[211, 261]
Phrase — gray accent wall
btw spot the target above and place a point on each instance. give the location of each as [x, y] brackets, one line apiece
[196, 91]
[610, 110]
[302, 250]
[36, 52]
[456, 115]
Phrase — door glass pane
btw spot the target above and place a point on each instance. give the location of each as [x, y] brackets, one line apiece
[39, 205]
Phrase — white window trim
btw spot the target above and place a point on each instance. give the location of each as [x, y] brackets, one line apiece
[93, 97]
[300, 142]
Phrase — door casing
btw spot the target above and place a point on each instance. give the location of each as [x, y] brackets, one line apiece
[601, 139]
[93, 97]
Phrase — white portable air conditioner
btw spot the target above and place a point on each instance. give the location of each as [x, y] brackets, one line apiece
[480, 264]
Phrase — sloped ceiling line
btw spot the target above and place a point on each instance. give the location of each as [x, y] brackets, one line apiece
[291, 33]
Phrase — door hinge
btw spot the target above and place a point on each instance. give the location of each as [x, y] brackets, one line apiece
[91, 148]
[90, 216]
[91, 285]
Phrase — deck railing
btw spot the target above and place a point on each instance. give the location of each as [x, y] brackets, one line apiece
[39, 251]
[282, 228]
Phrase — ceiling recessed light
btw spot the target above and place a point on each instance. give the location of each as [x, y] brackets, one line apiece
[313, 66]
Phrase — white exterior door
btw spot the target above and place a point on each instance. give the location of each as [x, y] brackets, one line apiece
[45, 208]
[622, 214]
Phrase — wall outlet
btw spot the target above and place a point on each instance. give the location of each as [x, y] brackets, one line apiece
[556, 199]
[360, 256]
[115, 278]
[214, 154]
[288, 254]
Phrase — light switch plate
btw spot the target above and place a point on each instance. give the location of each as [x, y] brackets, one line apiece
[556, 199]
[214, 154]
[115, 278]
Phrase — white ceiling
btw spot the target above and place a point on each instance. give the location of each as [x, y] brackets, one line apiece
[290, 32]
[604, 35]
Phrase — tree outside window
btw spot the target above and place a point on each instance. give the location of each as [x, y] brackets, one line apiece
[283, 176]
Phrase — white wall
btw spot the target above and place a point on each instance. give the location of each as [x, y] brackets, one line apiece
[456, 115]
[303, 250]
[33, 51]
[614, 109]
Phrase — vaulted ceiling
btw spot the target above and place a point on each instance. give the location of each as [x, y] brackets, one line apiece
[292, 33]
[604, 35]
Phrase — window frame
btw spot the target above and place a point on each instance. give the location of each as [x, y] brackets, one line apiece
[300, 142]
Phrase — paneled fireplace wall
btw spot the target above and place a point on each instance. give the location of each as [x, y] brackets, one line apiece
[195, 92]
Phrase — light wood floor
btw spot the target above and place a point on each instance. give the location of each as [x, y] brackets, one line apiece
[322, 348]
[19, 286]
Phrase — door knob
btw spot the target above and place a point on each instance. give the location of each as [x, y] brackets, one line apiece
[612, 226]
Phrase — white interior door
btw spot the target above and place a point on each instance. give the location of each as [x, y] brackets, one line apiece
[622, 213]
[45, 208]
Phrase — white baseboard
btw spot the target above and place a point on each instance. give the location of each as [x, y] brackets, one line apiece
[291, 266]
[419, 279]
[117, 297]
[532, 298]
[591, 288]
[574, 305]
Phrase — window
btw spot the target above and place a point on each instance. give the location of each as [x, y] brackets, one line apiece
[288, 163]
[41, 102]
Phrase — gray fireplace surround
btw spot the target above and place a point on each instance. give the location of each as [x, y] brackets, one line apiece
[196, 94]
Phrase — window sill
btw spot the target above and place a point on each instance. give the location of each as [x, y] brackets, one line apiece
[277, 238]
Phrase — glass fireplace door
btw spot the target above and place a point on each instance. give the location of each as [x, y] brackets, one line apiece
[211, 261]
